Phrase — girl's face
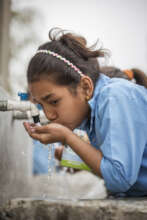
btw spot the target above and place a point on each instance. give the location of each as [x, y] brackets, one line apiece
[59, 104]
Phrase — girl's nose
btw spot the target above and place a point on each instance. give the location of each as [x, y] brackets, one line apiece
[51, 115]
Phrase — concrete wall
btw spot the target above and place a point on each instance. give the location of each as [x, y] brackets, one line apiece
[15, 155]
[5, 16]
[108, 209]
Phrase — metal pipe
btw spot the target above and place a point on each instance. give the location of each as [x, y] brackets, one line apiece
[23, 106]
[23, 110]
[22, 115]
[3, 105]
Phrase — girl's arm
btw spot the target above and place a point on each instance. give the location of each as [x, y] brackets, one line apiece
[89, 154]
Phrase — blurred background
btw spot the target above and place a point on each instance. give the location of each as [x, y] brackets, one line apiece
[120, 26]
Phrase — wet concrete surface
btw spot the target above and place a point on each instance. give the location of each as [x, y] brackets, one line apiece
[104, 209]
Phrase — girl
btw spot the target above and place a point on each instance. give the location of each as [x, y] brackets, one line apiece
[64, 77]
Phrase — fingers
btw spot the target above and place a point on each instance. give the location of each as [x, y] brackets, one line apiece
[50, 133]
[41, 129]
[43, 138]
[31, 129]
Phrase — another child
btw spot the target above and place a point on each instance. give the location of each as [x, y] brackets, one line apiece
[64, 77]
[136, 75]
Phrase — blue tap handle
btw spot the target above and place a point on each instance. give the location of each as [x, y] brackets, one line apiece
[24, 96]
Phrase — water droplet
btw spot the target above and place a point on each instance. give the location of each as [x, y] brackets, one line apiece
[44, 196]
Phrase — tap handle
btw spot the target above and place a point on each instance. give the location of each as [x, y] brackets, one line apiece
[24, 96]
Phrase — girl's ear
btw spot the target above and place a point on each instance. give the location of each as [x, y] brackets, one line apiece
[87, 87]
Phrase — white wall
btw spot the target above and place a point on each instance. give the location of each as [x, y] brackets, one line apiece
[15, 155]
[120, 25]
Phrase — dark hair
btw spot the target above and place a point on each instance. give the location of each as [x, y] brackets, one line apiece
[138, 75]
[112, 71]
[73, 48]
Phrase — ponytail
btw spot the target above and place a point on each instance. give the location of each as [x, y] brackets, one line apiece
[130, 74]
[78, 45]
[140, 77]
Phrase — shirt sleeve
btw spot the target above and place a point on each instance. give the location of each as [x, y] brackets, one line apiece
[122, 139]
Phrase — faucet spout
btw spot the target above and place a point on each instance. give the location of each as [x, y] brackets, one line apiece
[12, 105]
[3, 105]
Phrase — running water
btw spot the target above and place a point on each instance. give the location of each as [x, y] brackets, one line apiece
[57, 176]
[62, 176]
[50, 165]
[50, 160]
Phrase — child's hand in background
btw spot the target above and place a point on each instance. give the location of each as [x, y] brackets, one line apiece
[58, 152]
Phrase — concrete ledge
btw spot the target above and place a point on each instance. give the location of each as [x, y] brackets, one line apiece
[106, 209]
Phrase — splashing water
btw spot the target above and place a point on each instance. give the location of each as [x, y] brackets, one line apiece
[23, 153]
[50, 160]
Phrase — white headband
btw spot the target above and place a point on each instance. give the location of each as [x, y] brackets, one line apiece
[61, 58]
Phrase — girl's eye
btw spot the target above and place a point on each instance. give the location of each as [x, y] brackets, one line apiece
[54, 102]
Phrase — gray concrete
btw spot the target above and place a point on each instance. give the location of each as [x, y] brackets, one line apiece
[107, 209]
[81, 185]
[5, 16]
[15, 155]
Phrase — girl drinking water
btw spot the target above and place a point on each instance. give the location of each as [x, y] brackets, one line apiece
[64, 78]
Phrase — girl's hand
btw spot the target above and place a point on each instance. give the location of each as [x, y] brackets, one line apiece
[46, 134]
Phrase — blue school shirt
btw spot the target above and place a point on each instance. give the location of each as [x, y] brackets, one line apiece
[118, 128]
